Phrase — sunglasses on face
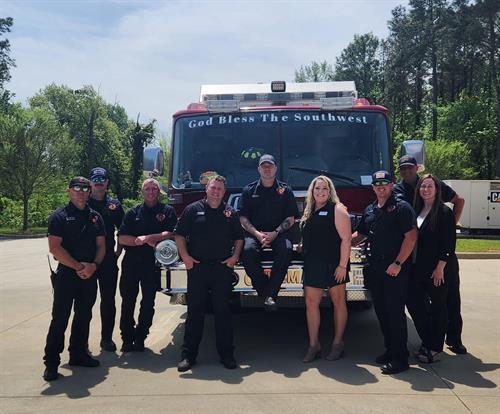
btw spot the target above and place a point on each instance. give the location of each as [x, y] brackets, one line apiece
[99, 180]
[79, 188]
[380, 183]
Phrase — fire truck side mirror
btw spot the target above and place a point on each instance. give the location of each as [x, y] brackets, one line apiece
[416, 149]
[152, 161]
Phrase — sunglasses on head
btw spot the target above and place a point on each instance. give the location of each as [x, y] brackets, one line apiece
[99, 179]
[381, 183]
[79, 188]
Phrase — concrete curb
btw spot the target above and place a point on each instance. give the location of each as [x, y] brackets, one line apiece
[21, 236]
[478, 255]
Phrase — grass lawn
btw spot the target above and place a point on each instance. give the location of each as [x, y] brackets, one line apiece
[31, 230]
[478, 245]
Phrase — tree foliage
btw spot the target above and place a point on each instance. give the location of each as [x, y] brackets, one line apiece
[31, 150]
[6, 62]
[437, 72]
[315, 72]
[101, 133]
[359, 61]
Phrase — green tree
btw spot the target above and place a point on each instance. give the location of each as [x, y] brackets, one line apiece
[140, 136]
[32, 144]
[315, 72]
[448, 160]
[359, 62]
[100, 133]
[6, 62]
[471, 120]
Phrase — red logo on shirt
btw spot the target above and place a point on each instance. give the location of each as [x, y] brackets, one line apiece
[228, 213]
[280, 190]
[160, 217]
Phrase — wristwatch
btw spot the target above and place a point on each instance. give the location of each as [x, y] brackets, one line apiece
[397, 262]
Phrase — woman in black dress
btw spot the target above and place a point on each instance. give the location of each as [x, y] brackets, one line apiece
[434, 259]
[326, 245]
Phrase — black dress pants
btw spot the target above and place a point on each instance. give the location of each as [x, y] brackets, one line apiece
[135, 274]
[251, 257]
[70, 292]
[455, 322]
[205, 281]
[428, 309]
[389, 296]
[107, 276]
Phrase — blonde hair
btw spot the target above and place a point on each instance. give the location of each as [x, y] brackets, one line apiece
[311, 203]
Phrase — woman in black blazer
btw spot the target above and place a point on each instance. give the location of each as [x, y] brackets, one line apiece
[434, 258]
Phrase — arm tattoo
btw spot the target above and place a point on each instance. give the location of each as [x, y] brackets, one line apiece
[245, 223]
[284, 226]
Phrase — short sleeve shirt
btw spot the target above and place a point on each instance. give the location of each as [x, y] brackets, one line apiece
[267, 207]
[385, 228]
[406, 192]
[112, 213]
[143, 220]
[210, 232]
[78, 230]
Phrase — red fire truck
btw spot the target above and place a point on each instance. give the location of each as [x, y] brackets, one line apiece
[311, 129]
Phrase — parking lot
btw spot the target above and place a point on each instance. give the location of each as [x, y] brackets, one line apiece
[271, 377]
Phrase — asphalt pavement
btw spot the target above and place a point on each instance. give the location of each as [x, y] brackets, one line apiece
[271, 377]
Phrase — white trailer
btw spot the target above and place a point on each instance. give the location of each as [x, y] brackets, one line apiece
[482, 203]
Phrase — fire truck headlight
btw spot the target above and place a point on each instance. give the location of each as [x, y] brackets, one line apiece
[166, 252]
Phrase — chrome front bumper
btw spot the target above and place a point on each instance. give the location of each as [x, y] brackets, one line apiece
[174, 284]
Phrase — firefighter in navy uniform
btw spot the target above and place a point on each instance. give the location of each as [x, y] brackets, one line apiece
[389, 225]
[76, 237]
[267, 211]
[112, 213]
[143, 227]
[405, 190]
[209, 237]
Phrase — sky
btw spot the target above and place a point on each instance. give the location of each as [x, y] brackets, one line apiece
[151, 57]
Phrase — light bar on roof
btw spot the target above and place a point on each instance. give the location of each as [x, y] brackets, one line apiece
[223, 105]
[337, 103]
[280, 93]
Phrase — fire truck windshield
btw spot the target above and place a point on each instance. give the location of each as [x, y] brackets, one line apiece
[349, 144]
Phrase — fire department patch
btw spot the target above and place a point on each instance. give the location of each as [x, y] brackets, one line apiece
[280, 190]
[390, 209]
[228, 213]
[160, 217]
[112, 206]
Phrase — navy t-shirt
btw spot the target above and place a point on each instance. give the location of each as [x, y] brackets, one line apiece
[210, 232]
[143, 220]
[385, 228]
[78, 230]
[267, 207]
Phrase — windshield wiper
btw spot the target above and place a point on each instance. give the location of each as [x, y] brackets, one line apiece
[327, 173]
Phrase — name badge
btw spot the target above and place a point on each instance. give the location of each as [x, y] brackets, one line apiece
[70, 218]
[200, 213]
[323, 213]
[255, 196]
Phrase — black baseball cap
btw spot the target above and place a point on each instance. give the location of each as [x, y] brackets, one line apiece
[407, 160]
[381, 177]
[81, 181]
[267, 158]
[98, 172]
